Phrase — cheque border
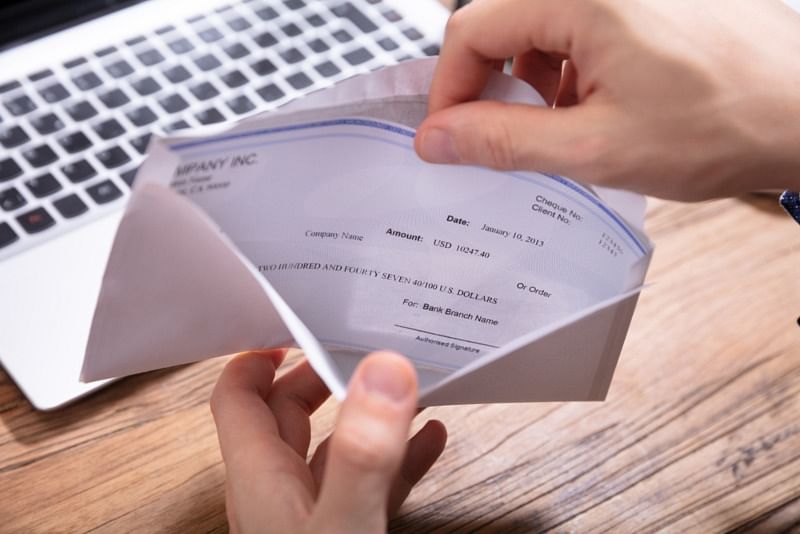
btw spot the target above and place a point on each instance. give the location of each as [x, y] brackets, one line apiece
[409, 133]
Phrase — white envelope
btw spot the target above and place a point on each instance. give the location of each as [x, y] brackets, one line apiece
[180, 288]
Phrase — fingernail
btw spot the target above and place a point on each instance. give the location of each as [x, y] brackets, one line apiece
[437, 146]
[387, 376]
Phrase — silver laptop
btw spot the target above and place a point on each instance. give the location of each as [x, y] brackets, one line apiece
[83, 86]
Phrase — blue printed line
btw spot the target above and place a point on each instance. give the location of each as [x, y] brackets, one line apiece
[296, 127]
[591, 198]
[400, 131]
[305, 138]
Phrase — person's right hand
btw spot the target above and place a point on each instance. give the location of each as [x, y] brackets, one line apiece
[675, 98]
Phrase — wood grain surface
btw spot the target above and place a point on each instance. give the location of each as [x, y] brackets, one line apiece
[700, 432]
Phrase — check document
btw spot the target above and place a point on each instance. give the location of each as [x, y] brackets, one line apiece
[318, 226]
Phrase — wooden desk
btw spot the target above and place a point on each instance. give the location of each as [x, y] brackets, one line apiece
[701, 429]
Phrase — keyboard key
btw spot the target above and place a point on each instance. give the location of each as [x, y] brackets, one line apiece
[263, 67]
[20, 105]
[128, 177]
[114, 98]
[292, 55]
[149, 57]
[70, 206]
[234, 78]
[181, 46]
[204, 91]
[40, 156]
[239, 24]
[342, 36]
[113, 157]
[109, 129]
[351, 13]
[9, 169]
[412, 33]
[107, 51]
[173, 103]
[291, 30]
[135, 40]
[41, 75]
[8, 86]
[431, 50]
[315, 20]
[391, 15]
[78, 171]
[11, 199]
[241, 105]
[72, 63]
[266, 13]
[119, 69]
[87, 81]
[104, 192]
[358, 56]
[210, 116]
[54, 93]
[328, 69]
[177, 74]
[146, 86]
[140, 143]
[43, 186]
[299, 80]
[236, 50]
[294, 4]
[388, 44]
[207, 62]
[318, 45]
[165, 29]
[210, 35]
[141, 116]
[76, 142]
[13, 136]
[7, 235]
[36, 221]
[81, 111]
[177, 125]
[265, 40]
[47, 124]
[270, 92]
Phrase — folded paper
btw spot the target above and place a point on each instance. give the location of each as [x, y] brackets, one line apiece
[318, 226]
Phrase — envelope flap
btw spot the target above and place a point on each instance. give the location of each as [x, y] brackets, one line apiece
[572, 362]
[166, 250]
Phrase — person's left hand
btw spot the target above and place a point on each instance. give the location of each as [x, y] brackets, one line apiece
[357, 478]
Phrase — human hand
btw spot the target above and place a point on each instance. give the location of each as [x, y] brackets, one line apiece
[357, 477]
[678, 99]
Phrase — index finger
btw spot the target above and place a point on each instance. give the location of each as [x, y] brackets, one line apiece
[257, 459]
[489, 30]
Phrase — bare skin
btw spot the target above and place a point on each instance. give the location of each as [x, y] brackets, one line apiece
[355, 480]
[682, 99]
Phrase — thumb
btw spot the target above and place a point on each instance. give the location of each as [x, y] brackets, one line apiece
[510, 136]
[368, 445]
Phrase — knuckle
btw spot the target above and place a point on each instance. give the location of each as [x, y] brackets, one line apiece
[457, 22]
[366, 450]
[213, 402]
[597, 160]
[499, 147]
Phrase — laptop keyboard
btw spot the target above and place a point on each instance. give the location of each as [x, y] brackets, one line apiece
[73, 135]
